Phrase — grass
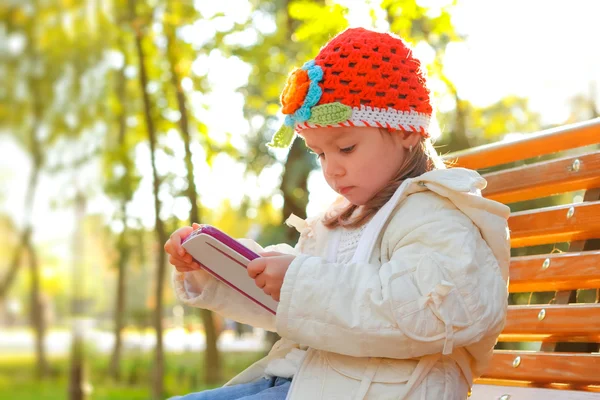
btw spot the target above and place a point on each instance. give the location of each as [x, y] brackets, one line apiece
[183, 373]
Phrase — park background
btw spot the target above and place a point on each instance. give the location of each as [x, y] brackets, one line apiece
[122, 120]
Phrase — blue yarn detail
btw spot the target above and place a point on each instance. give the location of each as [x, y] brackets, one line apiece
[302, 114]
[315, 75]
[289, 121]
[308, 64]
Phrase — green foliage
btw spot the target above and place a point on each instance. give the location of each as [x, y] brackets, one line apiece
[300, 30]
[509, 115]
[182, 375]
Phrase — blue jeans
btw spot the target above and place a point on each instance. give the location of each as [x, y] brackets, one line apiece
[262, 389]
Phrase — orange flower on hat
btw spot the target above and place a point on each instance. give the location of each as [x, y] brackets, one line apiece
[300, 95]
[295, 91]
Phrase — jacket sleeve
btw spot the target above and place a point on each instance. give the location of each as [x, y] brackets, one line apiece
[440, 287]
[202, 290]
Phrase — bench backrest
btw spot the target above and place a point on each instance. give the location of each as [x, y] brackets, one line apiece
[561, 338]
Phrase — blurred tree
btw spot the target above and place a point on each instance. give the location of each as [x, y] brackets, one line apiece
[584, 107]
[77, 374]
[29, 80]
[180, 56]
[51, 102]
[485, 124]
[9, 239]
[121, 183]
[140, 22]
[288, 33]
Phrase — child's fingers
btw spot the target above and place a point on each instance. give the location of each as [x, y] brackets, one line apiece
[195, 265]
[170, 249]
[187, 259]
[190, 267]
[270, 254]
[261, 281]
[255, 267]
[168, 246]
[176, 244]
[176, 238]
[195, 226]
[179, 263]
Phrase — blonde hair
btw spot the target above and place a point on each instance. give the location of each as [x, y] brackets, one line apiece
[421, 159]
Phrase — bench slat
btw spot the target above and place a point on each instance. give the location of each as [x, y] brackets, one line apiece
[553, 224]
[544, 179]
[566, 323]
[566, 271]
[533, 145]
[495, 392]
[539, 367]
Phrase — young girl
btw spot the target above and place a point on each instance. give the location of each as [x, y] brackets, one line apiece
[399, 289]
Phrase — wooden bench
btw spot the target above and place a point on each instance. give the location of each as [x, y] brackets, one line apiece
[563, 359]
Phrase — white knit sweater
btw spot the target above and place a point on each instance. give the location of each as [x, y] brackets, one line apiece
[287, 367]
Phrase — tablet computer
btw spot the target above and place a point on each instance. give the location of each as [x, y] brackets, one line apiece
[227, 259]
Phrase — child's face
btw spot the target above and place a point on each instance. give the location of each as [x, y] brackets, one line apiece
[358, 162]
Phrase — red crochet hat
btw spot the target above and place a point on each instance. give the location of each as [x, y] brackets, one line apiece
[359, 78]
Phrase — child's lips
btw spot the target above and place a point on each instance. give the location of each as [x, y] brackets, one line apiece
[345, 189]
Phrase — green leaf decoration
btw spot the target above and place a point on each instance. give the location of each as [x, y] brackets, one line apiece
[283, 137]
[329, 114]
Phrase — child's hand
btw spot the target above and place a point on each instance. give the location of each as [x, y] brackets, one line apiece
[269, 270]
[178, 257]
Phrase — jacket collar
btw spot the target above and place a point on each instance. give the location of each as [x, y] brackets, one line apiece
[454, 184]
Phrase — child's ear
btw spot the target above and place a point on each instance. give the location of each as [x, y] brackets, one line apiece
[409, 139]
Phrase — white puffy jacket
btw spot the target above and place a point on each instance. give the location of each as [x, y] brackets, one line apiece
[416, 313]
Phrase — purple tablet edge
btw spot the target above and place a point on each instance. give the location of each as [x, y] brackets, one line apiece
[225, 239]
[235, 245]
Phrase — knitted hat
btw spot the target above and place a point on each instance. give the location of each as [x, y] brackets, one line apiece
[359, 78]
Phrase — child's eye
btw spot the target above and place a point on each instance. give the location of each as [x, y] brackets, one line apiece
[348, 149]
[318, 155]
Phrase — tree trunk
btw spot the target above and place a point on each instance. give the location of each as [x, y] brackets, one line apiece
[38, 322]
[294, 184]
[594, 113]
[37, 308]
[26, 235]
[77, 377]
[124, 248]
[76, 370]
[15, 264]
[124, 251]
[157, 385]
[459, 139]
[212, 358]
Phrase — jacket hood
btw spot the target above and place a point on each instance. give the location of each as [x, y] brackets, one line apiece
[459, 185]
[463, 188]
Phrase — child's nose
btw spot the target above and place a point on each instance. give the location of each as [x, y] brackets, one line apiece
[334, 168]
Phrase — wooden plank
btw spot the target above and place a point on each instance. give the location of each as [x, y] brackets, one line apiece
[570, 296]
[564, 223]
[533, 145]
[539, 367]
[572, 323]
[495, 392]
[552, 272]
[544, 179]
